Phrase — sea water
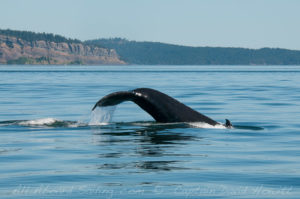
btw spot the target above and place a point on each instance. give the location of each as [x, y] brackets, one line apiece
[53, 146]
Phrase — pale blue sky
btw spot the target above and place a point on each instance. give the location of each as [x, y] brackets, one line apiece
[230, 23]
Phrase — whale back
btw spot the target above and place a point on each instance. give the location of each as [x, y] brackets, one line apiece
[160, 106]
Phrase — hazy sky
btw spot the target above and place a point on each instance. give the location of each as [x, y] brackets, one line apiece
[228, 23]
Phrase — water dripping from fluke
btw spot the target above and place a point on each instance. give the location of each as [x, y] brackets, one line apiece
[102, 115]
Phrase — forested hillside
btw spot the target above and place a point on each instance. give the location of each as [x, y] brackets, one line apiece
[154, 53]
[32, 36]
[25, 47]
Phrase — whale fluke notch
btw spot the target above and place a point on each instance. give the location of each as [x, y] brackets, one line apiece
[160, 106]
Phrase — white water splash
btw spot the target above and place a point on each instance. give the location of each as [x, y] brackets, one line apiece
[39, 122]
[102, 115]
[207, 126]
[44, 122]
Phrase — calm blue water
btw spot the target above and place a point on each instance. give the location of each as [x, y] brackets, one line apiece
[134, 157]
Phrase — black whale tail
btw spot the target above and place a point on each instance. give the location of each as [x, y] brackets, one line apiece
[115, 99]
[160, 106]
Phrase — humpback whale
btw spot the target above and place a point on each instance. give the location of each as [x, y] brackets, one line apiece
[160, 106]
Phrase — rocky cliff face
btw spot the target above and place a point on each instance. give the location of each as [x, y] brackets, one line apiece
[17, 51]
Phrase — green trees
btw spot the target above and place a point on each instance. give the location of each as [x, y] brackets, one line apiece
[32, 36]
[9, 43]
[155, 53]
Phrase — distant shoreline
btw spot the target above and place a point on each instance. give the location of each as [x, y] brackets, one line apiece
[30, 48]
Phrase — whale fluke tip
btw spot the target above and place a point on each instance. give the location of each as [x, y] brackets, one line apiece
[228, 123]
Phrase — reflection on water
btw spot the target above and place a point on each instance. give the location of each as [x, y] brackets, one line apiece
[150, 141]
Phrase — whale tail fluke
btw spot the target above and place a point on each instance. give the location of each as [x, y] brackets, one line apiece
[160, 106]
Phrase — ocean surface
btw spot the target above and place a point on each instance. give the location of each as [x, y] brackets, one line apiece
[53, 146]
